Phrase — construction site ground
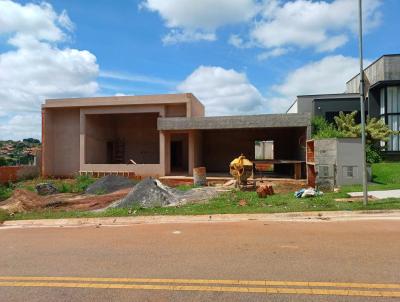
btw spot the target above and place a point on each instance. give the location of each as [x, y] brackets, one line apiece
[26, 204]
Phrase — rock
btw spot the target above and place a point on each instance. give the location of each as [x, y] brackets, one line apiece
[149, 193]
[46, 189]
[242, 202]
[109, 184]
[264, 190]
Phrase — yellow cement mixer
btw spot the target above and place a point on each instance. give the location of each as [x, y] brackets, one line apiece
[241, 169]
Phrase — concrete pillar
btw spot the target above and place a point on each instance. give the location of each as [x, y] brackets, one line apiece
[165, 152]
[82, 148]
[192, 150]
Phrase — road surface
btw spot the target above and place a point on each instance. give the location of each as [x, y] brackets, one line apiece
[231, 261]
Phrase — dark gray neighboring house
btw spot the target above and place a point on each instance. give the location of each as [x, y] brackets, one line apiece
[382, 98]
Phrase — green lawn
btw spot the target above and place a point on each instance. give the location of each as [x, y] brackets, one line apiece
[385, 176]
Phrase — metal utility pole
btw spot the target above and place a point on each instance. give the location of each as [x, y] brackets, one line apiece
[362, 105]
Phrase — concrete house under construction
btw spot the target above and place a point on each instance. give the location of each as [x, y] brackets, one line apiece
[159, 135]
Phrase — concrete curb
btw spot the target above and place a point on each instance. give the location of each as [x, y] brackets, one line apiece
[277, 217]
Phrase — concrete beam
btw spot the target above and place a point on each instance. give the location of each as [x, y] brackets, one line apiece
[236, 122]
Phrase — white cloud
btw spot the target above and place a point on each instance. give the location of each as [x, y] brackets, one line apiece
[37, 68]
[198, 20]
[37, 20]
[322, 25]
[276, 52]
[328, 75]
[21, 126]
[116, 75]
[178, 36]
[223, 91]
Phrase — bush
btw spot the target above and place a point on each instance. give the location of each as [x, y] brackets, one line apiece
[82, 182]
[323, 129]
[373, 153]
[5, 192]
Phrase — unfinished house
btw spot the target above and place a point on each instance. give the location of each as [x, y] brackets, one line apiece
[159, 135]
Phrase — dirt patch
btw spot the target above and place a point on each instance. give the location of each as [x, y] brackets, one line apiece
[26, 201]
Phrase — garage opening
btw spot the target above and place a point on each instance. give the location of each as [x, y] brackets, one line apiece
[222, 146]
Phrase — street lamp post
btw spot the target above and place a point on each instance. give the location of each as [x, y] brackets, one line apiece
[362, 105]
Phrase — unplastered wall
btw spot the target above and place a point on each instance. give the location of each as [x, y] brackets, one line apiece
[61, 142]
[98, 131]
[175, 110]
[141, 137]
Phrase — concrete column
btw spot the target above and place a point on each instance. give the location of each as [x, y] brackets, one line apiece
[192, 142]
[82, 148]
[165, 152]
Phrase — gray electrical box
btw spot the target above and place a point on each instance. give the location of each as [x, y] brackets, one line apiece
[334, 162]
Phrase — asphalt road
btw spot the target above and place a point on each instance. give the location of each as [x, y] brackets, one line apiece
[246, 261]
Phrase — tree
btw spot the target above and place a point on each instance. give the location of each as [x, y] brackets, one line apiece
[375, 129]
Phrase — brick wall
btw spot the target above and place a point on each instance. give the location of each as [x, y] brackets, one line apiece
[14, 173]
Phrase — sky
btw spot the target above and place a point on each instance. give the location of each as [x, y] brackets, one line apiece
[236, 56]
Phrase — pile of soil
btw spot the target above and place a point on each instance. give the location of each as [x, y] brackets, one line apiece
[22, 201]
[150, 193]
[25, 201]
[109, 184]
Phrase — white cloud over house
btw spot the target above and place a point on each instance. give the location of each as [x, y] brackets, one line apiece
[328, 75]
[229, 92]
[223, 91]
[36, 67]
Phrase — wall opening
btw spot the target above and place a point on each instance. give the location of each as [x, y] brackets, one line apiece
[122, 138]
[179, 153]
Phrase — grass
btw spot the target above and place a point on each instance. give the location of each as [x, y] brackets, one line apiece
[385, 176]
[75, 185]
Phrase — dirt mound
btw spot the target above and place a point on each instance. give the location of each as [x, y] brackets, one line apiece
[22, 201]
[148, 193]
[25, 201]
[109, 184]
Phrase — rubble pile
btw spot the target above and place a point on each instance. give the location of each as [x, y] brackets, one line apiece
[46, 189]
[109, 184]
[150, 193]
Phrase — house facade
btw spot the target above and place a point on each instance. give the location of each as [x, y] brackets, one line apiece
[382, 91]
[159, 135]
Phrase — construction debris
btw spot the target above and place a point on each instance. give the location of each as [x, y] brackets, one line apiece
[310, 192]
[263, 190]
[150, 193]
[109, 184]
[46, 189]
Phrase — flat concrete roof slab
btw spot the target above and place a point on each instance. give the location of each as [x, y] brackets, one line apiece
[235, 122]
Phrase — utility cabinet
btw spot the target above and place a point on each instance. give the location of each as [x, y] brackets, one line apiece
[334, 162]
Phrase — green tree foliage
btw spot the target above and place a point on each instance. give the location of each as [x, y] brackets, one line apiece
[375, 129]
[322, 129]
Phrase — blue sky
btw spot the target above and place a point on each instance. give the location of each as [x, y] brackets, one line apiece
[237, 56]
